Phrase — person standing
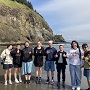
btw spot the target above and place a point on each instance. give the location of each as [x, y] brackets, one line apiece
[61, 64]
[27, 63]
[8, 63]
[86, 59]
[38, 61]
[74, 56]
[17, 62]
[50, 53]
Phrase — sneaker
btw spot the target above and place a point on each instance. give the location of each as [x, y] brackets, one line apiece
[10, 82]
[40, 81]
[73, 88]
[63, 83]
[28, 81]
[52, 82]
[58, 83]
[20, 80]
[36, 80]
[25, 82]
[5, 83]
[78, 88]
[47, 81]
[16, 81]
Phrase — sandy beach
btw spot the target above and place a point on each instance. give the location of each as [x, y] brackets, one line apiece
[43, 86]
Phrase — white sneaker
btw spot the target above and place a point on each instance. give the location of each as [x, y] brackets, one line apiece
[20, 80]
[5, 83]
[16, 81]
[78, 88]
[52, 82]
[10, 82]
[73, 88]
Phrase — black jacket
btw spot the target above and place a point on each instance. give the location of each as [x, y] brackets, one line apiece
[17, 57]
[40, 53]
[64, 58]
[27, 53]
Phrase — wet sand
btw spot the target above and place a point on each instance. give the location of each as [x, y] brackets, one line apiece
[43, 86]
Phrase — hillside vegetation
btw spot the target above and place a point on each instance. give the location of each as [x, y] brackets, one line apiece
[19, 23]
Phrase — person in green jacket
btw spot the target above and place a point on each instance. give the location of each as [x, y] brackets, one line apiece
[86, 59]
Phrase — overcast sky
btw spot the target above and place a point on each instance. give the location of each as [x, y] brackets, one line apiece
[71, 18]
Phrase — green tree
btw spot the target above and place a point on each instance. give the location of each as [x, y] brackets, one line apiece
[29, 4]
[22, 1]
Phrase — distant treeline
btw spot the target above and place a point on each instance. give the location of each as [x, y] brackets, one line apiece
[27, 3]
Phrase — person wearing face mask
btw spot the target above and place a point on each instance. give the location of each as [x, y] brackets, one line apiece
[74, 56]
[86, 59]
[8, 63]
[27, 63]
[38, 61]
[61, 64]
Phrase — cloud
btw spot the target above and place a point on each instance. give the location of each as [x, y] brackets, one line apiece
[71, 18]
[79, 32]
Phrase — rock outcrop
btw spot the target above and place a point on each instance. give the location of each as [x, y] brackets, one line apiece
[19, 23]
[58, 38]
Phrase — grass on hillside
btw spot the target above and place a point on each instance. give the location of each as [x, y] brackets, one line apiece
[14, 4]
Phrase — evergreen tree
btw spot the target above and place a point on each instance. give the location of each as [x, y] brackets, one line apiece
[22, 1]
[27, 3]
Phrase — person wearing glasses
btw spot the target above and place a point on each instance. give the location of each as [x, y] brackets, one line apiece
[86, 59]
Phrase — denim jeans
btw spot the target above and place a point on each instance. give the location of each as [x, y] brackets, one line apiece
[49, 66]
[75, 73]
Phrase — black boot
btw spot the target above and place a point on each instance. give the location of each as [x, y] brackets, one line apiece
[58, 84]
[36, 80]
[26, 81]
[40, 81]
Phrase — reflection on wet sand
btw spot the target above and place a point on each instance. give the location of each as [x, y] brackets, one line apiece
[34, 86]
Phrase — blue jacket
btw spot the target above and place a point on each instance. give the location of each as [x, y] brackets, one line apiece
[52, 52]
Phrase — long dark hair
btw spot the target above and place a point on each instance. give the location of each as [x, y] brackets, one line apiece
[9, 45]
[77, 47]
[76, 43]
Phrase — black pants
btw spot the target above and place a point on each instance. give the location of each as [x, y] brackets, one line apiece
[61, 67]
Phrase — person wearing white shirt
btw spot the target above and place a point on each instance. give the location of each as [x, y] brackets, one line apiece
[74, 56]
[8, 63]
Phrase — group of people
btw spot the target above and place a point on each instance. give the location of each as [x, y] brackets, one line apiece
[23, 59]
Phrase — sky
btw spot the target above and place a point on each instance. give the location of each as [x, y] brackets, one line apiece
[69, 18]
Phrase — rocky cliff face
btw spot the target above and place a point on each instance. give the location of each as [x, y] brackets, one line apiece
[18, 25]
